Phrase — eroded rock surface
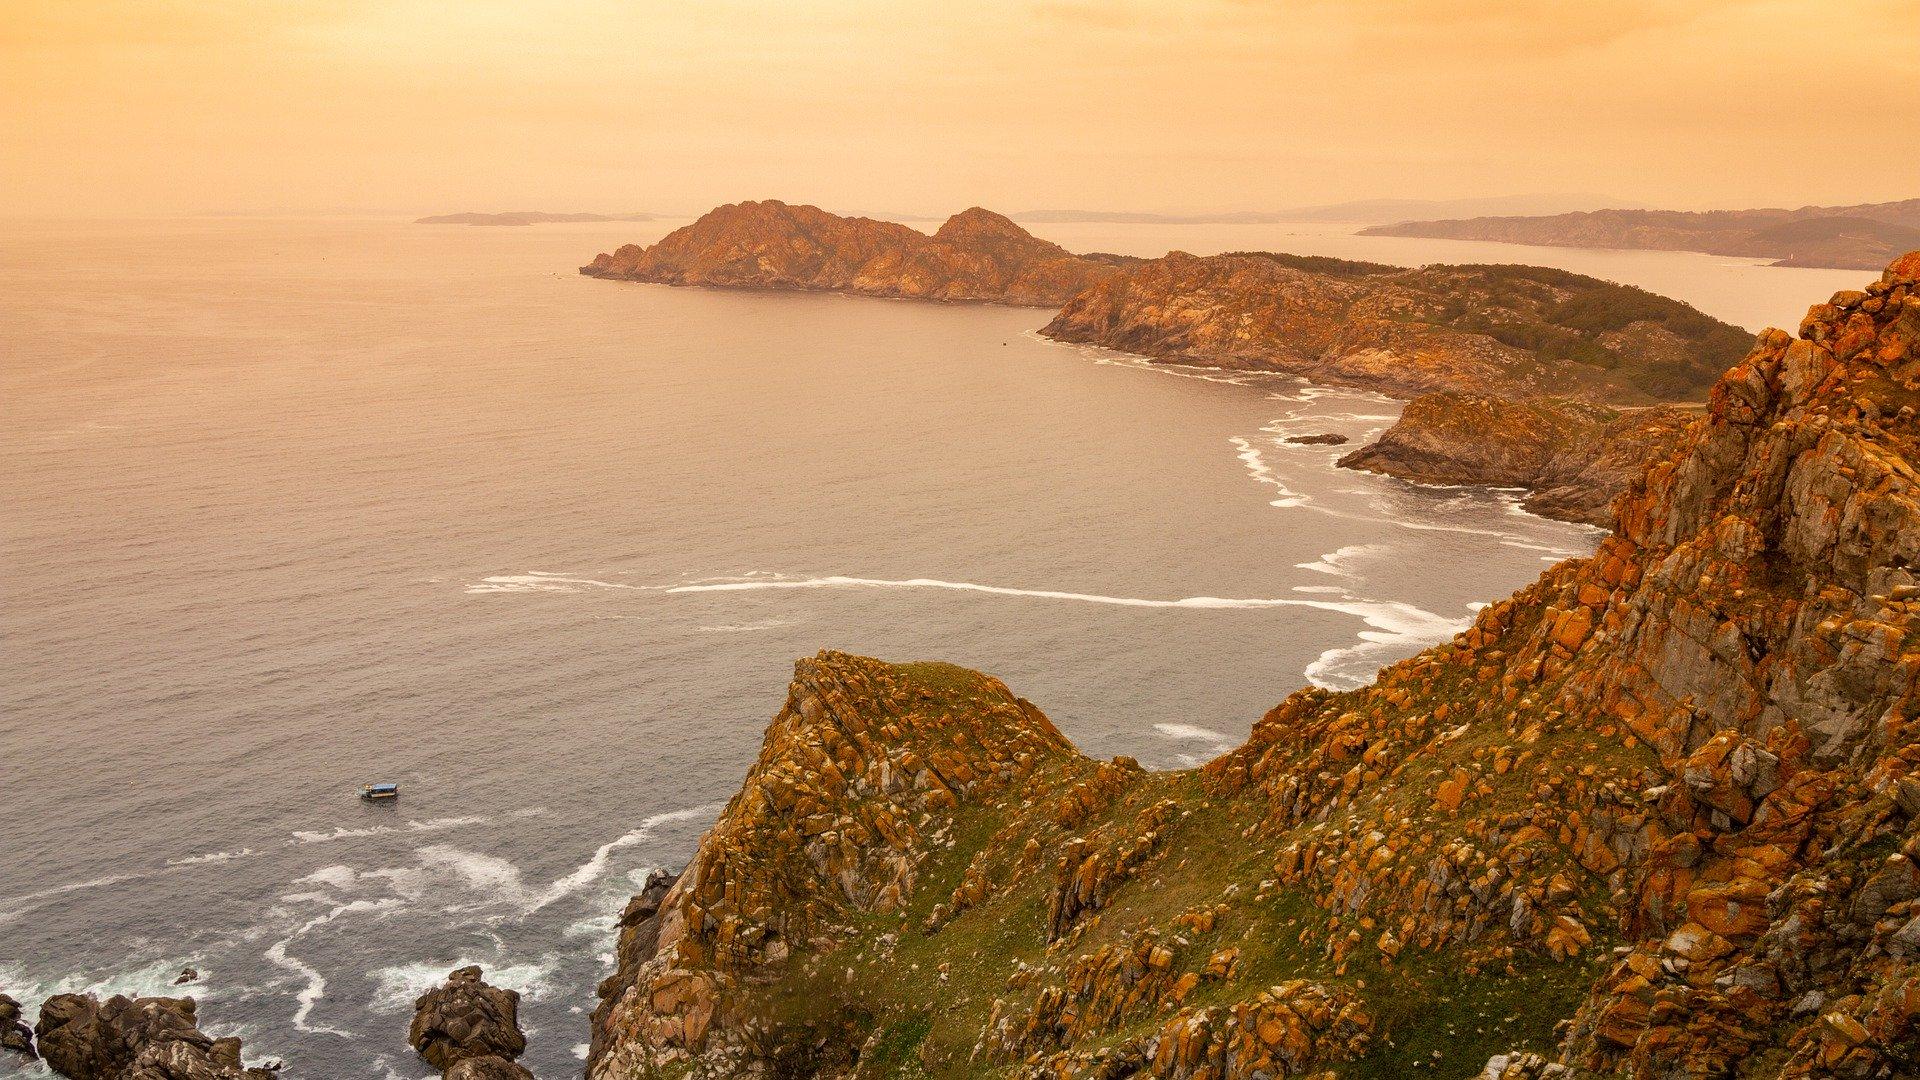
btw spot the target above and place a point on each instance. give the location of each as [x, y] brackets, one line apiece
[977, 255]
[465, 1020]
[1575, 458]
[134, 1039]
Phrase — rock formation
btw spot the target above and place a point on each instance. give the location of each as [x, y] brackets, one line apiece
[15, 1035]
[149, 1038]
[1574, 457]
[1512, 331]
[469, 1030]
[977, 255]
[1655, 816]
[1847, 237]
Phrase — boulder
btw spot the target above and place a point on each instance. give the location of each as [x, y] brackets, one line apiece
[466, 1018]
[126, 1038]
[15, 1035]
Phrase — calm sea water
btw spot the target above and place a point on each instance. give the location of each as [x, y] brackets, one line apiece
[291, 506]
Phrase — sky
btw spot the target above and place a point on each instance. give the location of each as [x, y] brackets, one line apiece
[175, 106]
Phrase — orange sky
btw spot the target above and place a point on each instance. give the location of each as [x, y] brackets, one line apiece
[142, 106]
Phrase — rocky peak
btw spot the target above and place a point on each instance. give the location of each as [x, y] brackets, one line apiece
[977, 255]
[975, 227]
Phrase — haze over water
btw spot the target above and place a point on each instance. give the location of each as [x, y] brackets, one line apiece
[295, 505]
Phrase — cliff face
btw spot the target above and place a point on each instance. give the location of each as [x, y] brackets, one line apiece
[976, 256]
[1657, 815]
[1508, 330]
[1847, 237]
[1574, 457]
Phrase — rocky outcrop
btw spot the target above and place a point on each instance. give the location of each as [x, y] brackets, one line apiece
[15, 1035]
[1509, 331]
[134, 1039]
[468, 1029]
[1860, 237]
[1655, 816]
[1574, 457]
[977, 255]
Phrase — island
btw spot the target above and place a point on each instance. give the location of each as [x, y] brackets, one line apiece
[1544, 376]
[1862, 237]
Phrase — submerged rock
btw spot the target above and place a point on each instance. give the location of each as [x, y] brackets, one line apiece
[1324, 439]
[466, 1018]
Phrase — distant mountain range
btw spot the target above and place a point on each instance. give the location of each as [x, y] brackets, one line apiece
[524, 217]
[1366, 211]
[1862, 237]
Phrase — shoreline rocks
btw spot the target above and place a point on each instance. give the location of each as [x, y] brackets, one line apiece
[1574, 458]
[468, 1029]
[15, 1035]
[124, 1038]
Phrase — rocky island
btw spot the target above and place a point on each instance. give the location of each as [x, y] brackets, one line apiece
[1549, 343]
[1860, 237]
[977, 255]
[1657, 815]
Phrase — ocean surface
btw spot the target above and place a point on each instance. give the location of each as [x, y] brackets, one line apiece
[289, 506]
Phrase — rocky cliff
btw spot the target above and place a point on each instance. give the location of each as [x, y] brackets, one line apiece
[1574, 458]
[1655, 816]
[977, 255]
[1860, 237]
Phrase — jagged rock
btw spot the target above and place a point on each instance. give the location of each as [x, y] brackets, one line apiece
[977, 255]
[486, 1068]
[15, 1035]
[1323, 439]
[134, 1039]
[466, 1018]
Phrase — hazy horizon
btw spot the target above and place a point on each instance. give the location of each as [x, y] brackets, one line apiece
[1212, 106]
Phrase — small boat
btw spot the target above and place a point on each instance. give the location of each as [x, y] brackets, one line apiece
[380, 791]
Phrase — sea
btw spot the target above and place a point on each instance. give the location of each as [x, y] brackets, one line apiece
[293, 505]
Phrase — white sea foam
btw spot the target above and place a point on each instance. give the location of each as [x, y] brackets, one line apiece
[211, 857]
[1263, 473]
[315, 986]
[342, 832]
[1340, 563]
[1190, 731]
[596, 867]
[396, 987]
[539, 582]
[1393, 626]
[1217, 741]
[13, 907]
